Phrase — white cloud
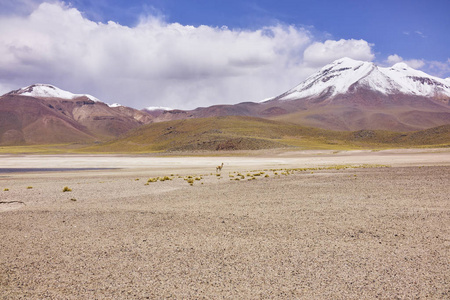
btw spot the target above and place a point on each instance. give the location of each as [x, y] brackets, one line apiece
[420, 33]
[319, 54]
[438, 68]
[413, 63]
[160, 64]
[393, 59]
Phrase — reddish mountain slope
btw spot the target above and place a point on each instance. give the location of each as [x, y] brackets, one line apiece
[44, 114]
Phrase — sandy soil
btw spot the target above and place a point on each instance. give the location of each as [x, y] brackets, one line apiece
[354, 233]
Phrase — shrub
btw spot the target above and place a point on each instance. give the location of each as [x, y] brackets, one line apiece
[6, 190]
[29, 187]
[66, 189]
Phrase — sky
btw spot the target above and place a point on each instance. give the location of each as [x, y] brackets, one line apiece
[191, 53]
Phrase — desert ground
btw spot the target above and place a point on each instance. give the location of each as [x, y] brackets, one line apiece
[269, 225]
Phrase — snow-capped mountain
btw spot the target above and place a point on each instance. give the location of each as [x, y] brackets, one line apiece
[347, 76]
[48, 91]
[43, 113]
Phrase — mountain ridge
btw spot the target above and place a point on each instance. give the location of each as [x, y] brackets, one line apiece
[40, 90]
[346, 75]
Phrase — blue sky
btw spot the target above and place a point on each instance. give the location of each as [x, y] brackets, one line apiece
[193, 53]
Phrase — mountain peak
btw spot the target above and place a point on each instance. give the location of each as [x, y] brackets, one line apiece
[401, 66]
[347, 61]
[40, 90]
[346, 75]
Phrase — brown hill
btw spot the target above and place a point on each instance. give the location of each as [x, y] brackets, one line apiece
[35, 120]
[366, 109]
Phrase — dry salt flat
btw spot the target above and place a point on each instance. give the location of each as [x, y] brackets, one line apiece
[305, 231]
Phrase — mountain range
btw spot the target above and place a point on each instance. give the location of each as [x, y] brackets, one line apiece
[350, 95]
[346, 95]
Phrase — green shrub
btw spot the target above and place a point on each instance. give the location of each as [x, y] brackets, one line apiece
[66, 189]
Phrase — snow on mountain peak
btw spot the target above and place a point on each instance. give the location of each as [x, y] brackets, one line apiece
[115, 105]
[346, 75]
[48, 91]
[400, 66]
[153, 108]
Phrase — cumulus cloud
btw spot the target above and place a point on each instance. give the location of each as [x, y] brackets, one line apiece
[413, 63]
[319, 54]
[157, 63]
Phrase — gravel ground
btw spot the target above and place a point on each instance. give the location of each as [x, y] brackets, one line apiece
[355, 233]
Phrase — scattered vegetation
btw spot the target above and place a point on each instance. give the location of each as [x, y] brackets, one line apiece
[255, 174]
[29, 187]
[66, 189]
[6, 190]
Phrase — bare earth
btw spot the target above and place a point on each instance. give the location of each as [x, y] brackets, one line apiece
[355, 233]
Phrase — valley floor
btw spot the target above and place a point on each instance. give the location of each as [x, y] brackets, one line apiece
[320, 225]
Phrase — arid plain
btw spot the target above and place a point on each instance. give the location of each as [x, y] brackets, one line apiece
[270, 224]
